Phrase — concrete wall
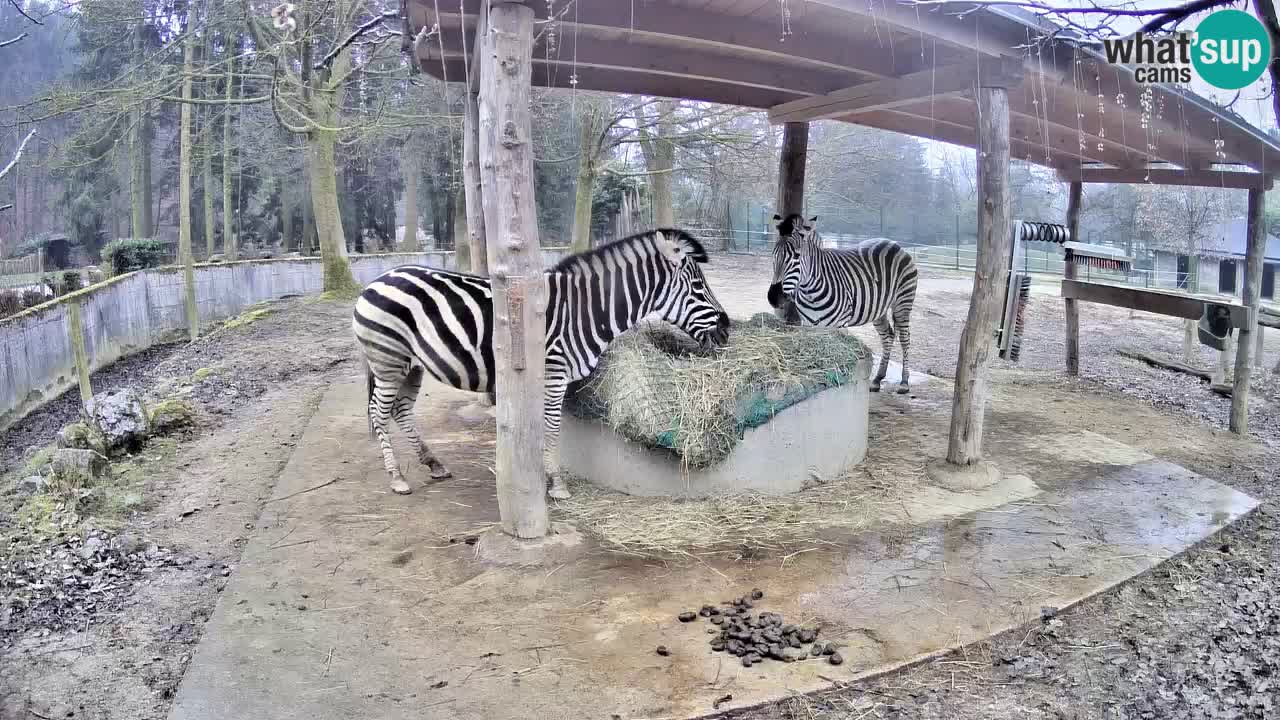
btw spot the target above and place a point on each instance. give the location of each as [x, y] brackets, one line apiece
[135, 311]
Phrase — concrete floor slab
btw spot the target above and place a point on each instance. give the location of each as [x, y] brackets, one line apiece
[352, 602]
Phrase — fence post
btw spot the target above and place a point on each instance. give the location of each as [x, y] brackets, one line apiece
[81, 356]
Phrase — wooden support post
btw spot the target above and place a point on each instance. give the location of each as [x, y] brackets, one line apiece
[969, 402]
[1251, 296]
[76, 330]
[791, 166]
[515, 262]
[1189, 341]
[1257, 350]
[1070, 307]
[471, 160]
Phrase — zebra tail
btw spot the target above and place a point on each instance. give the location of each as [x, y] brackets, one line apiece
[368, 405]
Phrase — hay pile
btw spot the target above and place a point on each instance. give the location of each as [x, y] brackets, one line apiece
[655, 387]
[737, 526]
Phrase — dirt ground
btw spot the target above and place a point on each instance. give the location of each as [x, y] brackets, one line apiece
[1197, 637]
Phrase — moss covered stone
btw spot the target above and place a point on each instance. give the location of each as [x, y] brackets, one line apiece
[170, 414]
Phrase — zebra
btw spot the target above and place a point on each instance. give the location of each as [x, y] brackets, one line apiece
[874, 282]
[413, 321]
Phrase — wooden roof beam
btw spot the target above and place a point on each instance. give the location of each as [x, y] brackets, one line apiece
[615, 80]
[1234, 179]
[693, 28]
[955, 134]
[896, 92]
[633, 56]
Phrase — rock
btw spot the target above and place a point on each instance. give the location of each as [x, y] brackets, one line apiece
[122, 418]
[78, 468]
[82, 436]
[217, 258]
[126, 543]
[685, 617]
[170, 414]
[663, 651]
[31, 485]
[835, 658]
[757, 594]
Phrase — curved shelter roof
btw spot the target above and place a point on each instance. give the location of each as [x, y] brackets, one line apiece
[897, 67]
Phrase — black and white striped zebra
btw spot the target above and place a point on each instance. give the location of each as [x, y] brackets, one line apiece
[874, 282]
[416, 320]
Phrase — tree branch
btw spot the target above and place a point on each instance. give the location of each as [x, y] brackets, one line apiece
[6, 43]
[17, 155]
[22, 12]
[366, 27]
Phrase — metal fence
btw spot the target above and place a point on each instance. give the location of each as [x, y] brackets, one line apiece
[947, 257]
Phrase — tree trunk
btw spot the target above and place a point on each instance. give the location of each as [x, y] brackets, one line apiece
[409, 166]
[462, 252]
[286, 218]
[323, 171]
[140, 166]
[229, 245]
[184, 190]
[659, 159]
[969, 402]
[791, 167]
[581, 241]
[1070, 308]
[519, 287]
[206, 185]
[473, 197]
[1251, 295]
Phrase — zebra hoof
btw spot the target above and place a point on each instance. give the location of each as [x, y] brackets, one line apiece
[400, 487]
[875, 387]
[904, 389]
[558, 491]
[440, 472]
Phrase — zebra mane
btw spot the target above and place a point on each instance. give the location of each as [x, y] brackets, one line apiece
[787, 225]
[691, 244]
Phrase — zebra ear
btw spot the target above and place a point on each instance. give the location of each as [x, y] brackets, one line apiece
[676, 246]
[777, 218]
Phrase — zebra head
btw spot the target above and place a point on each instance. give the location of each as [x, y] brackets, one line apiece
[689, 303]
[790, 255]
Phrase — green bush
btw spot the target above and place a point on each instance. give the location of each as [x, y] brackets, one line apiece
[72, 281]
[129, 254]
[32, 298]
[10, 303]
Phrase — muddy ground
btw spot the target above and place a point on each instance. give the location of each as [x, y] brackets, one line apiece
[1198, 637]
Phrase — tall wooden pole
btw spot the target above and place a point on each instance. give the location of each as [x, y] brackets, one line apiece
[515, 262]
[791, 166]
[969, 402]
[1071, 309]
[471, 184]
[1252, 296]
[471, 158]
[184, 194]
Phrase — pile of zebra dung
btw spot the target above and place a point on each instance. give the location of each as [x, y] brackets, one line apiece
[755, 638]
[655, 386]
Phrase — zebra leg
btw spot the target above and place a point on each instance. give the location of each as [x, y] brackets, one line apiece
[885, 331]
[381, 400]
[553, 399]
[402, 411]
[902, 324]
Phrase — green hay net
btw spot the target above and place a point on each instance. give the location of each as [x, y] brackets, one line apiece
[654, 386]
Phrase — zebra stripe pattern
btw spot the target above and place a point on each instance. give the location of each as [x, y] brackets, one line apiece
[415, 321]
[874, 282]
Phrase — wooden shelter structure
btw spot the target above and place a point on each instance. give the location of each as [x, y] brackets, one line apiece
[996, 79]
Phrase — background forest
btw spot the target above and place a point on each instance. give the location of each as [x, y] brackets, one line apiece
[155, 118]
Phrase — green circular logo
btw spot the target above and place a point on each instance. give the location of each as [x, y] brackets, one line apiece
[1231, 49]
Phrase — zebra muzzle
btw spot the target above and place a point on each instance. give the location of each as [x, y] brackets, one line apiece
[775, 294]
